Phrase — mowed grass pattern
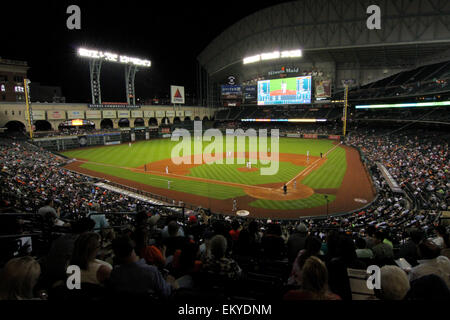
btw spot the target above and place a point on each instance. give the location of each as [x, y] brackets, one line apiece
[215, 191]
[328, 176]
[331, 173]
[316, 200]
[230, 173]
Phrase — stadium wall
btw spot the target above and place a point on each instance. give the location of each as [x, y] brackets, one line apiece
[56, 113]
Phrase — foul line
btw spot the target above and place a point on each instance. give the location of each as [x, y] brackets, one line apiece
[183, 177]
[309, 168]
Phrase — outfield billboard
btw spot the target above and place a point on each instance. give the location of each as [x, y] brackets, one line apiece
[231, 92]
[295, 90]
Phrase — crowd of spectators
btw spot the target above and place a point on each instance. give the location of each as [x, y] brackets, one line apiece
[153, 253]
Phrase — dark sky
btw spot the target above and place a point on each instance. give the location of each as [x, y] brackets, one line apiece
[169, 33]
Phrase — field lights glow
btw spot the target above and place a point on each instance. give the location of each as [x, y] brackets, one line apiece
[404, 105]
[112, 57]
[273, 55]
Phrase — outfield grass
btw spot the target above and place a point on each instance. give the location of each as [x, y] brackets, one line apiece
[316, 200]
[215, 191]
[230, 173]
[329, 175]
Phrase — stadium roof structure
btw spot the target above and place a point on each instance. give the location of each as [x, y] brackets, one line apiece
[413, 33]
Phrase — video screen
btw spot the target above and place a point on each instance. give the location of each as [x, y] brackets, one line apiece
[285, 91]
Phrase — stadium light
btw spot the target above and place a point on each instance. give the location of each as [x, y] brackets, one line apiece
[273, 55]
[112, 57]
[404, 105]
[252, 59]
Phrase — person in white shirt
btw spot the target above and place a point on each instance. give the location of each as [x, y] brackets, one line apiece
[432, 263]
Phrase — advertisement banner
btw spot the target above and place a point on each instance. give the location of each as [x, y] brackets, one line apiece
[188, 113]
[160, 114]
[38, 115]
[137, 114]
[123, 114]
[179, 113]
[250, 93]
[310, 136]
[149, 114]
[323, 89]
[93, 114]
[109, 114]
[231, 104]
[231, 92]
[75, 114]
[334, 137]
[56, 115]
[170, 113]
[176, 94]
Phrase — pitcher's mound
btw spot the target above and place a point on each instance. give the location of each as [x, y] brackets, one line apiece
[245, 169]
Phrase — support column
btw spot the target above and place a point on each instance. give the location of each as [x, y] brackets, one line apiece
[130, 72]
[95, 67]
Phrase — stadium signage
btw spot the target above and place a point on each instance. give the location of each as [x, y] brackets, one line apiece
[283, 70]
[112, 106]
[273, 55]
[112, 57]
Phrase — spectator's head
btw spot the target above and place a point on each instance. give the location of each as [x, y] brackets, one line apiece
[371, 230]
[49, 202]
[379, 236]
[301, 228]
[347, 248]
[153, 220]
[253, 227]
[416, 236]
[235, 225]
[315, 277]
[82, 225]
[360, 243]
[141, 219]
[96, 207]
[274, 229]
[85, 249]
[192, 219]
[429, 287]
[218, 246]
[428, 250]
[123, 248]
[312, 248]
[188, 256]
[394, 283]
[441, 231]
[18, 278]
[172, 228]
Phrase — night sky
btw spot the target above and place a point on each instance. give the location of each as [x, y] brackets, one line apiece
[169, 33]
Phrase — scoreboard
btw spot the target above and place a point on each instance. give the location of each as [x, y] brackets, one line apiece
[295, 90]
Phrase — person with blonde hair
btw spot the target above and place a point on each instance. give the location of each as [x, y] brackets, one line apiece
[314, 283]
[18, 278]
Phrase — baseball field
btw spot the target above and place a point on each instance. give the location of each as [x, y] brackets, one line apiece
[311, 180]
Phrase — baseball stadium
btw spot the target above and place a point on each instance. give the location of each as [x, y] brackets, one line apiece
[315, 141]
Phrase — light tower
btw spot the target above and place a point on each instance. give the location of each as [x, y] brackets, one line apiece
[96, 58]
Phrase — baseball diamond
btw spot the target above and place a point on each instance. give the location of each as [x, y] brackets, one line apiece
[308, 179]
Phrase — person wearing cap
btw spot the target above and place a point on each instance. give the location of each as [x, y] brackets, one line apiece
[296, 241]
